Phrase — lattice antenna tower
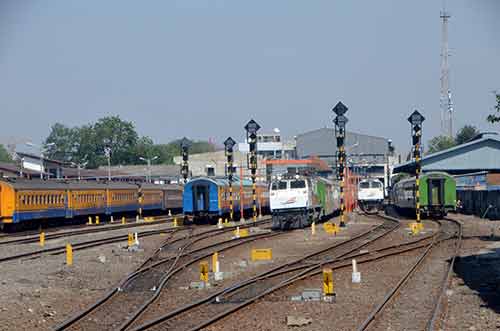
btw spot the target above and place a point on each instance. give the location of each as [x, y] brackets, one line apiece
[446, 104]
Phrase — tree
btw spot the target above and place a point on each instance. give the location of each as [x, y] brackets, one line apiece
[65, 142]
[440, 143]
[118, 135]
[465, 134]
[494, 117]
[4, 155]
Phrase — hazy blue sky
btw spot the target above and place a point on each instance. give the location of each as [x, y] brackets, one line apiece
[203, 68]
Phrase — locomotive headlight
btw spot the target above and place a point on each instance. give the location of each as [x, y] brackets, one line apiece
[297, 177]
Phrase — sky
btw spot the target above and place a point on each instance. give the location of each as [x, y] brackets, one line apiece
[202, 69]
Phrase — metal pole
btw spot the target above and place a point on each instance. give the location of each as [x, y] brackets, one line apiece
[149, 171]
[79, 175]
[41, 165]
[109, 167]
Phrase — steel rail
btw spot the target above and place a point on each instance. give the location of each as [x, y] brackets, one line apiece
[279, 270]
[79, 231]
[434, 320]
[143, 268]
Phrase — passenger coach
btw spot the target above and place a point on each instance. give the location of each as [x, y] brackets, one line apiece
[25, 200]
[207, 198]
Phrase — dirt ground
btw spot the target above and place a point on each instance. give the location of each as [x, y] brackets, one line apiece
[37, 294]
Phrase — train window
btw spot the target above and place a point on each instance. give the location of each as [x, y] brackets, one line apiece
[298, 184]
[364, 185]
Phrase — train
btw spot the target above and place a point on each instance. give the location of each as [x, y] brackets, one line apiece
[23, 200]
[206, 199]
[370, 195]
[297, 200]
[437, 193]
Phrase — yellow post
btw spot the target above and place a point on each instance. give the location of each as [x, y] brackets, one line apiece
[215, 258]
[313, 228]
[123, 220]
[219, 224]
[90, 220]
[175, 222]
[204, 271]
[130, 239]
[237, 234]
[328, 286]
[97, 220]
[225, 220]
[42, 239]
[69, 254]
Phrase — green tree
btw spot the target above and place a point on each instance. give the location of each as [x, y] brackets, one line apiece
[4, 155]
[65, 142]
[496, 116]
[465, 134]
[440, 143]
[118, 135]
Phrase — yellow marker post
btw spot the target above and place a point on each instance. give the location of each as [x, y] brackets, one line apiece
[313, 228]
[219, 223]
[123, 220]
[175, 222]
[69, 254]
[97, 220]
[225, 220]
[215, 259]
[131, 239]
[261, 254]
[328, 285]
[90, 220]
[42, 239]
[204, 271]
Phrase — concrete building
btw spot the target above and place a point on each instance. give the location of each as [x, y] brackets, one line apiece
[272, 146]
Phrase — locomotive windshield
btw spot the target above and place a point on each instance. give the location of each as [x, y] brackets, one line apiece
[281, 185]
[364, 185]
[376, 184]
[298, 184]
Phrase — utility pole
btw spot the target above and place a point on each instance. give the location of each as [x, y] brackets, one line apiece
[445, 99]
[107, 152]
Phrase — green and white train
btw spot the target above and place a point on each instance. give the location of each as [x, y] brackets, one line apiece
[437, 191]
[296, 201]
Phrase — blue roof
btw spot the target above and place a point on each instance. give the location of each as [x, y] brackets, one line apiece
[476, 155]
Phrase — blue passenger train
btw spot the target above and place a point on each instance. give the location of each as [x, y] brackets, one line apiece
[207, 198]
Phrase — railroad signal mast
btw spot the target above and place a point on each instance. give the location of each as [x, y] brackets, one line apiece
[229, 144]
[251, 128]
[340, 122]
[416, 120]
[185, 144]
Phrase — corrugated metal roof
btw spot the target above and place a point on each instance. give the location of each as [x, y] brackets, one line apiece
[477, 155]
[322, 143]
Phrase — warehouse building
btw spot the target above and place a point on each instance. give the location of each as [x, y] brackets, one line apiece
[476, 166]
[367, 156]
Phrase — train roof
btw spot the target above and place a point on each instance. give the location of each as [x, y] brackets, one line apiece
[427, 174]
[25, 184]
[221, 181]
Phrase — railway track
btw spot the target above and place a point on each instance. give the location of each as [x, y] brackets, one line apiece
[210, 309]
[375, 317]
[124, 303]
[35, 237]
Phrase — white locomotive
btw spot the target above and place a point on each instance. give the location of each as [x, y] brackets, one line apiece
[297, 201]
[370, 195]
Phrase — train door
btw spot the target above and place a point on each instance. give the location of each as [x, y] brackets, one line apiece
[201, 198]
[435, 191]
